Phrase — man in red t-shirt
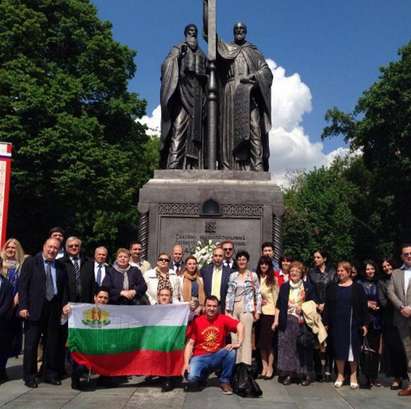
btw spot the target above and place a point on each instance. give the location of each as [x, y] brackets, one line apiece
[206, 350]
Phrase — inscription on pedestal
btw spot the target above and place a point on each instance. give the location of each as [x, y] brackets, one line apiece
[187, 231]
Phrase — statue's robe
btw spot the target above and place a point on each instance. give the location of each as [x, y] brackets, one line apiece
[244, 109]
[182, 98]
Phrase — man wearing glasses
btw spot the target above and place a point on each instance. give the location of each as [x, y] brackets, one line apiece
[399, 292]
[228, 248]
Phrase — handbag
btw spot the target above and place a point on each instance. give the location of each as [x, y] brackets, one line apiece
[306, 338]
[244, 384]
[368, 360]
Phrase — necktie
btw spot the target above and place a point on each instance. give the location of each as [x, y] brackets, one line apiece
[49, 282]
[177, 265]
[77, 274]
[99, 275]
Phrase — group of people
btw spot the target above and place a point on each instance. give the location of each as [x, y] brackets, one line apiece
[283, 318]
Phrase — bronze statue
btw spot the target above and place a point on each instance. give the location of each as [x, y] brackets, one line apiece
[183, 98]
[244, 93]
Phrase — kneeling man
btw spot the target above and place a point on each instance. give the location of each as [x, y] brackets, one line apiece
[206, 350]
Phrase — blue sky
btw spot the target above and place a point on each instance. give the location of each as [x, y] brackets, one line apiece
[327, 53]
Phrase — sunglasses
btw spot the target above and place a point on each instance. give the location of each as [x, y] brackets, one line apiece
[73, 246]
[166, 260]
[228, 249]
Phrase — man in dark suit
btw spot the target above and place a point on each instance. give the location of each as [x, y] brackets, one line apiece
[228, 249]
[81, 284]
[216, 276]
[43, 292]
[94, 270]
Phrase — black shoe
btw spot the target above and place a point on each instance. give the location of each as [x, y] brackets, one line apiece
[3, 376]
[80, 386]
[192, 387]
[287, 380]
[327, 378]
[167, 386]
[31, 383]
[306, 381]
[106, 381]
[52, 381]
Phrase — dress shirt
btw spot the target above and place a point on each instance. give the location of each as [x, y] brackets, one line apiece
[61, 253]
[216, 281]
[407, 277]
[228, 263]
[103, 271]
[77, 258]
[53, 273]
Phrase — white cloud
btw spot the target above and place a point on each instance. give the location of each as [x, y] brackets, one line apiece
[153, 122]
[291, 148]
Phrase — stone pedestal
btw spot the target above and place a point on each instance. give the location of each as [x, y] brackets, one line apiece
[185, 206]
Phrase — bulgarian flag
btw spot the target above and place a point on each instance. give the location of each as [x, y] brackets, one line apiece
[116, 340]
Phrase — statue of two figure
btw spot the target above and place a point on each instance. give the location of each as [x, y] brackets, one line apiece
[244, 99]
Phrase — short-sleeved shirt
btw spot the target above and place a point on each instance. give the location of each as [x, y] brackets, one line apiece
[209, 336]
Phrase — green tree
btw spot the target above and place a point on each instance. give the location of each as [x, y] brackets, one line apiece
[380, 126]
[318, 213]
[79, 155]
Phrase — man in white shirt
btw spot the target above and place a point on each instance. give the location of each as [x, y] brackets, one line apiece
[399, 292]
[177, 263]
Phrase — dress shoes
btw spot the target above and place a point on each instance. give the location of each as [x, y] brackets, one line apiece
[3, 376]
[192, 387]
[396, 386]
[31, 383]
[306, 381]
[80, 386]
[167, 386]
[287, 380]
[52, 381]
[405, 392]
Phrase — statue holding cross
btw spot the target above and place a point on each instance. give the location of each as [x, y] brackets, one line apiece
[244, 94]
[233, 86]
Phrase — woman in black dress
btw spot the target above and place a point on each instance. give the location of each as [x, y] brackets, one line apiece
[393, 355]
[369, 283]
[346, 315]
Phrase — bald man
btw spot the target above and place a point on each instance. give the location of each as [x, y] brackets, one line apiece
[43, 292]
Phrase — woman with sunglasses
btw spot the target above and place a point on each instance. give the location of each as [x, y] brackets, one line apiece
[160, 277]
[265, 334]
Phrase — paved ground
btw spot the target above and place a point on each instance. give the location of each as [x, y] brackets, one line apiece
[137, 394]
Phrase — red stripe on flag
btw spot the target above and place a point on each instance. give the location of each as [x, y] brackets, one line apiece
[147, 363]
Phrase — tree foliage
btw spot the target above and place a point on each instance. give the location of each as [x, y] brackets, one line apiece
[79, 155]
[318, 213]
[380, 126]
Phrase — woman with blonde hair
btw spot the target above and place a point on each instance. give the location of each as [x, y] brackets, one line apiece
[12, 254]
[192, 285]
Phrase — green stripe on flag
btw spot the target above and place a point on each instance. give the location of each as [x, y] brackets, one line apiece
[112, 341]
